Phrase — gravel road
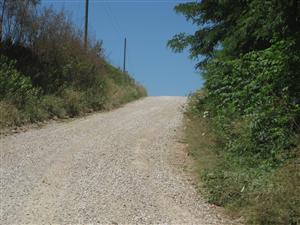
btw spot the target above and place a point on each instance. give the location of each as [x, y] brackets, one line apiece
[118, 167]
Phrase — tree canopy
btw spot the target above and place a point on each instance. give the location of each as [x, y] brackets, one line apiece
[237, 26]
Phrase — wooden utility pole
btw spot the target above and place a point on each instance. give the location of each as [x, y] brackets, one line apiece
[124, 62]
[86, 22]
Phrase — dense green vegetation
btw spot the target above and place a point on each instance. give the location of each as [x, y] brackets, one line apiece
[249, 55]
[45, 71]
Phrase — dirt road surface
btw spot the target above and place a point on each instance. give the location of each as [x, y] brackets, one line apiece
[118, 167]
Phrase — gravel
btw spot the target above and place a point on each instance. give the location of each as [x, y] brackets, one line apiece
[118, 167]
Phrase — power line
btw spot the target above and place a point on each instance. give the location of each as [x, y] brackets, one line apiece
[113, 20]
[129, 61]
[113, 24]
[118, 30]
[78, 16]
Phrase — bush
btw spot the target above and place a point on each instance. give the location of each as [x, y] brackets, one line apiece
[9, 115]
[33, 111]
[46, 71]
[13, 85]
[249, 54]
[73, 102]
[255, 96]
[96, 94]
[54, 106]
[262, 191]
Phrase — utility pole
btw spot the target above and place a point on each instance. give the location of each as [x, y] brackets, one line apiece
[86, 22]
[124, 62]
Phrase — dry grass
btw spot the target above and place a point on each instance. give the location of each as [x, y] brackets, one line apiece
[201, 141]
[9, 115]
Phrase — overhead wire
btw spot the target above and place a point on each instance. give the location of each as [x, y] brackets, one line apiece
[113, 19]
[117, 28]
[79, 16]
[129, 61]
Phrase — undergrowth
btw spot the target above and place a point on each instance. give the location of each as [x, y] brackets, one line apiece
[262, 193]
[47, 72]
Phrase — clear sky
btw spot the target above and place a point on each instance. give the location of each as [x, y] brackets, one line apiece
[147, 25]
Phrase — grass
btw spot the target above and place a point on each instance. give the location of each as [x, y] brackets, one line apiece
[54, 75]
[21, 102]
[69, 103]
[261, 196]
[72, 103]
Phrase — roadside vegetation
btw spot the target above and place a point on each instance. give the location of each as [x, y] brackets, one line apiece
[243, 126]
[45, 71]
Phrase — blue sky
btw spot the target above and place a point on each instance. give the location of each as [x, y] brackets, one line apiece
[147, 25]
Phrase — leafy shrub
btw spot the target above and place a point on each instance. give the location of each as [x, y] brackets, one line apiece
[262, 191]
[249, 53]
[46, 71]
[254, 92]
[13, 85]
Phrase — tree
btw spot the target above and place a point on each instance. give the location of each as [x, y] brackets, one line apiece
[237, 26]
[251, 67]
[16, 20]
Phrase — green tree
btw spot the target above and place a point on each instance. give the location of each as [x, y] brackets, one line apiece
[249, 55]
[230, 29]
[237, 26]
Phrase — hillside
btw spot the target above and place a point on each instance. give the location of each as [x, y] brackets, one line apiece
[46, 72]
